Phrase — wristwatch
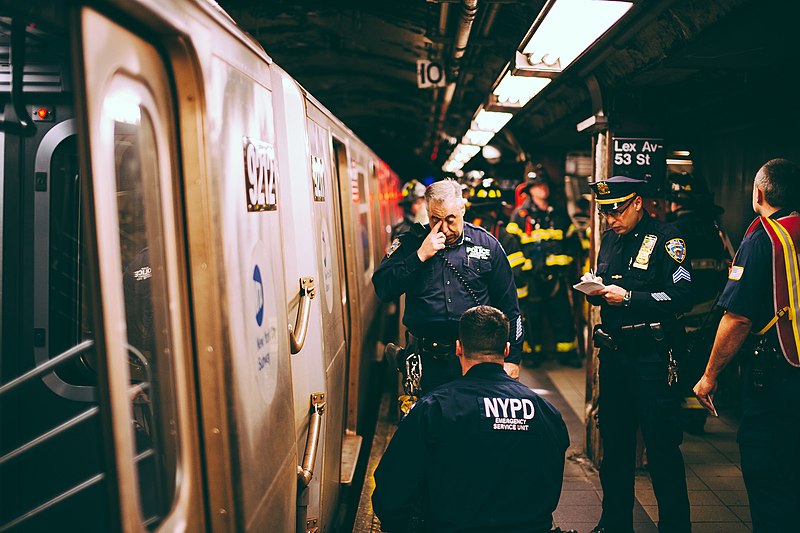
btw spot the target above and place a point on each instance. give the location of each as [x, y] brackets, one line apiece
[626, 300]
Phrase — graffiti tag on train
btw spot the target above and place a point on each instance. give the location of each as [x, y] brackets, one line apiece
[260, 175]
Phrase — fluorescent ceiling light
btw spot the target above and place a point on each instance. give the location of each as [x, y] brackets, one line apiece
[452, 166]
[680, 162]
[477, 137]
[490, 120]
[569, 28]
[467, 149]
[518, 90]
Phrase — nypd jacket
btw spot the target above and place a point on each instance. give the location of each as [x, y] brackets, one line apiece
[437, 295]
[452, 450]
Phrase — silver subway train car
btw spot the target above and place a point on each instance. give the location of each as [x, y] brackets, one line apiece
[188, 325]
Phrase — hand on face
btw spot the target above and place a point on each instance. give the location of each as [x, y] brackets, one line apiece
[432, 243]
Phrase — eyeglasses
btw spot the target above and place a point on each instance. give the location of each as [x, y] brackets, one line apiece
[616, 213]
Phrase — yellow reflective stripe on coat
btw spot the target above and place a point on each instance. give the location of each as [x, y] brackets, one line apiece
[558, 260]
[522, 292]
[562, 347]
[792, 275]
[539, 235]
[513, 228]
[516, 259]
[528, 265]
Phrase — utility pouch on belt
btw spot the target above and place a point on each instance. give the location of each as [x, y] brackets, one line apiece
[760, 371]
[601, 339]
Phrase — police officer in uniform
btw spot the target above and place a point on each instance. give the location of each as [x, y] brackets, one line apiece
[413, 204]
[446, 455]
[443, 271]
[642, 262]
[693, 212]
[550, 245]
[770, 425]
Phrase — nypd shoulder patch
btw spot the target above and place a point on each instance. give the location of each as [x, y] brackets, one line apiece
[393, 247]
[676, 249]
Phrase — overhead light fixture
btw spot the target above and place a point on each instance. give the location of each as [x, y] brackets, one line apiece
[563, 31]
[516, 91]
[490, 120]
[477, 137]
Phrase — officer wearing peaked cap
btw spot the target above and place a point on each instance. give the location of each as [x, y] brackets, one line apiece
[643, 264]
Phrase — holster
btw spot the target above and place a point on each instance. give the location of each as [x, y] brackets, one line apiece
[601, 339]
[394, 354]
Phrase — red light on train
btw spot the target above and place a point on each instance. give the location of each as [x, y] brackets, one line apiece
[43, 113]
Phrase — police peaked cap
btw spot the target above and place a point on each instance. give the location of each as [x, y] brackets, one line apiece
[610, 194]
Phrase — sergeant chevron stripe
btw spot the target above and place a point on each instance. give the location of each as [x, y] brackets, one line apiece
[680, 274]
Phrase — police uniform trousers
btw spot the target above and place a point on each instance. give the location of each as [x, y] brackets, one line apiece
[769, 444]
[559, 314]
[634, 393]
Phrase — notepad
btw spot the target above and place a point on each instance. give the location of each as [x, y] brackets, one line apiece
[588, 287]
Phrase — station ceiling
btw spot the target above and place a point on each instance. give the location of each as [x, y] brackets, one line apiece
[673, 66]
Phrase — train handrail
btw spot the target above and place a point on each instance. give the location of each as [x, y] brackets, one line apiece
[72, 491]
[305, 471]
[63, 357]
[297, 333]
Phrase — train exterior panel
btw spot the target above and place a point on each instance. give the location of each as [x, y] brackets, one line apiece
[224, 231]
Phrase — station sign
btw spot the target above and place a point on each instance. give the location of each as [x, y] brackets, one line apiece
[430, 74]
[642, 158]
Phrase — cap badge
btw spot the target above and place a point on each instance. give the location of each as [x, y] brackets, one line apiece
[602, 188]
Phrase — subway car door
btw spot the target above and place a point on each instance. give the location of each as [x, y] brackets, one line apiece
[335, 463]
[142, 325]
[300, 249]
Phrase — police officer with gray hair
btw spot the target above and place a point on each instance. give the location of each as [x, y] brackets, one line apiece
[643, 264]
[443, 470]
[445, 269]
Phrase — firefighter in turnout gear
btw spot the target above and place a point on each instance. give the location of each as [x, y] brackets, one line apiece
[544, 263]
[413, 204]
[693, 212]
[485, 207]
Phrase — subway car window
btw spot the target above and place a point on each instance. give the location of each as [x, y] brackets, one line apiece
[149, 342]
[52, 465]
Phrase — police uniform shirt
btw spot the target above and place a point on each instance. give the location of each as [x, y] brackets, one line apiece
[484, 452]
[748, 291]
[651, 262]
[436, 296]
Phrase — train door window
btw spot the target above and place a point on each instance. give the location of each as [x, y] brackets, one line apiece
[134, 162]
[365, 238]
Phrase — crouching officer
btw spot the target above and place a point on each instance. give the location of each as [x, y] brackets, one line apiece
[761, 297]
[443, 271]
[442, 472]
[643, 263]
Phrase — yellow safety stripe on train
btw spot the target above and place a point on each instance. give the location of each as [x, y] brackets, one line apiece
[516, 259]
[522, 292]
[528, 265]
[562, 347]
[558, 260]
